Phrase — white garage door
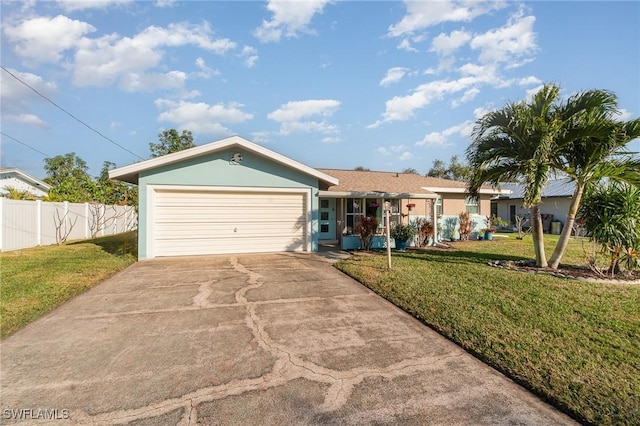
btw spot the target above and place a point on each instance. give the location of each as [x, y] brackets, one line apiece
[216, 222]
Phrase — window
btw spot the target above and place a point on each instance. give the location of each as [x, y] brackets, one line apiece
[357, 207]
[354, 210]
[394, 214]
[439, 206]
[472, 205]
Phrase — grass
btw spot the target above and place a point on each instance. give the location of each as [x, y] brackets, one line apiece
[37, 280]
[576, 344]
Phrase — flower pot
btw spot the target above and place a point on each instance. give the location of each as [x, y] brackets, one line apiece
[488, 236]
[401, 245]
[480, 238]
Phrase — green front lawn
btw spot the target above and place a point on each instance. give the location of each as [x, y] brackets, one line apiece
[576, 344]
[37, 280]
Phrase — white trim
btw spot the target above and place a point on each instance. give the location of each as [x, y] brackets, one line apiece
[130, 173]
[365, 194]
[34, 181]
[151, 198]
[449, 190]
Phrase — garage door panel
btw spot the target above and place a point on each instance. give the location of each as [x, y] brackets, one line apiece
[211, 222]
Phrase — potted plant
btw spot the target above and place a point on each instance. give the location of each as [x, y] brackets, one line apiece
[410, 206]
[492, 222]
[481, 234]
[401, 233]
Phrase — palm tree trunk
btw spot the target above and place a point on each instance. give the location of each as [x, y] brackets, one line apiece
[565, 235]
[538, 237]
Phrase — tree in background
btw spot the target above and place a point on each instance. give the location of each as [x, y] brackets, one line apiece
[455, 171]
[410, 171]
[67, 175]
[361, 169]
[69, 180]
[109, 191]
[171, 141]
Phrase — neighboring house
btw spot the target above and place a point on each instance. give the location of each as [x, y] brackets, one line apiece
[556, 198]
[233, 196]
[12, 178]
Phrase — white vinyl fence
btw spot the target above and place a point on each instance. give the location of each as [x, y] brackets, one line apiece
[36, 223]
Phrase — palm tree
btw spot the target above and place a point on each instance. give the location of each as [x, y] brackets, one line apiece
[593, 149]
[517, 143]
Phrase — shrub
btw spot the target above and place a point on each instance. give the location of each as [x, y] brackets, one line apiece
[424, 230]
[612, 219]
[402, 232]
[465, 225]
[366, 227]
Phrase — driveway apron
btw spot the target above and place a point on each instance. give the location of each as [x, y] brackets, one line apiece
[248, 339]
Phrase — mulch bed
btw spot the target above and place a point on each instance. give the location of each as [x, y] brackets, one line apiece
[568, 271]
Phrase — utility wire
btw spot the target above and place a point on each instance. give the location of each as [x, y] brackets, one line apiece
[69, 114]
[22, 143]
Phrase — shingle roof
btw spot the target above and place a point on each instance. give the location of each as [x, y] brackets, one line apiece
[385, 182]
[555, 188]
[391, 182]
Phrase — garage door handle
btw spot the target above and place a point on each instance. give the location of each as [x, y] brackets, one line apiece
[235, 229]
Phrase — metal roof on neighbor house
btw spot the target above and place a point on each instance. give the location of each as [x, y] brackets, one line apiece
[555, 188]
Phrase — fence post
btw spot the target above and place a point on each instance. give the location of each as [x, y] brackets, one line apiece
[86, 221]
[39, 222]
[2, 221]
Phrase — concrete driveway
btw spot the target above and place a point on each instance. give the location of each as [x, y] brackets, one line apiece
[248, 339]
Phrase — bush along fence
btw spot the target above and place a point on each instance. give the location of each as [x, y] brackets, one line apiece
[37, 223]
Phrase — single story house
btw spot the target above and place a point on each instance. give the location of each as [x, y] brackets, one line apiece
[234, 196]
[13, 178]
[556, 199]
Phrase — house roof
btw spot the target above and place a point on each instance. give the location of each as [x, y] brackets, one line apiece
[25, 177]
[554, 188]
[414, 185]
[130, 173]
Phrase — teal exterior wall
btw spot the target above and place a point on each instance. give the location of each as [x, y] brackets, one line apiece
[216, 169]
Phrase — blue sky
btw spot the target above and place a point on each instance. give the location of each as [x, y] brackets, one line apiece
[334, 84]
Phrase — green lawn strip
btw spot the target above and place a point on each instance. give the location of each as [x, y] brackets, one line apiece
[37, 280]
[577, 344]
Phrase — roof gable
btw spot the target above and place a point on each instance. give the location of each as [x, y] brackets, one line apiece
[25, 177]
[130, 173]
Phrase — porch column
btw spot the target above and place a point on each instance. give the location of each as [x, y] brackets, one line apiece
[434, 220]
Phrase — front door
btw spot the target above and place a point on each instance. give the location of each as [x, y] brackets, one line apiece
[327, 219]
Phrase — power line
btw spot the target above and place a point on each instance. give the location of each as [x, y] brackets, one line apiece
[22, 143]
[69, 114]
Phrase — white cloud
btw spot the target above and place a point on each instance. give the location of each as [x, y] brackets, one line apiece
[296, 116]
[424, 14]
[623, 115]
[108, 59]
[115, 125]
[481, 112]
[401, 108]
[27, 119]
[533, 91]
[75, 5]
[289, 19]
[261, 137]
[16, 95]
[390, 150]
[444, 44]
[331, 139]
[405, 156]
[205, 71]
[405, 44]
[394, 75]
[250, 55]
[441, 138]
[526, 81]
[44, 39]
[150, 82]
[468, 96]
[200, 117]
[507, 44]
[165, 3]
